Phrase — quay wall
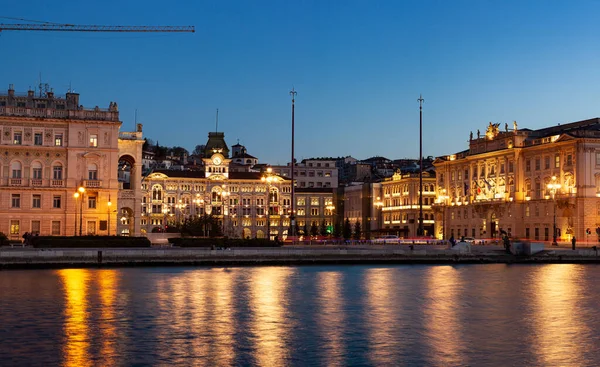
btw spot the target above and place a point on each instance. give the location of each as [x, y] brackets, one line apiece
[60, 258]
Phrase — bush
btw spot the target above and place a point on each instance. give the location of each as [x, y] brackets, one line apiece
[3, 239]
[222, 242]
[89, 242]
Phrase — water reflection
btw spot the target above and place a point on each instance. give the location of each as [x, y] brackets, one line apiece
[382, 308]
[443, 327]
[269, 326]
[76, 345]
[107, 286]
[331, 317]
[559, 330]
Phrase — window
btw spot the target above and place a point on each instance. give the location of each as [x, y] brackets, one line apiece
[58, 140]
[528, 165]
[547, 162]
[14, 227]
[92, 172]
[537, 164]
[511, 166]
[557, 161]
[301, 201]
[16, 201]
[56, 202]
[57, 172]
[526, 232]
[157, 192]
[314, 211]
[35, 227]
[91, 202]
[16, 169]
[36, 201]
[569, 160]
[36, 169]
[314, 201]
[93, 140]
[56, 228]
[301, 211]
[466, 174]
[38, 139]
[18, 138]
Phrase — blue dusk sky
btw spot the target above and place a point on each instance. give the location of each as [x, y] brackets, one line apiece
[358, 68]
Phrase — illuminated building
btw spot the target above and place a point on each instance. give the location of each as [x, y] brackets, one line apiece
[504, 181]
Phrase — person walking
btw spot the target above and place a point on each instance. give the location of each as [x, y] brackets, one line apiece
[573, 241]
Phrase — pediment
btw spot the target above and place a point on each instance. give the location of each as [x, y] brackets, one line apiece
[157, 175]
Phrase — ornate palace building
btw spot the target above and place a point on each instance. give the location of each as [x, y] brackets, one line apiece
[52, 148]
[248, 204]
[529, 183]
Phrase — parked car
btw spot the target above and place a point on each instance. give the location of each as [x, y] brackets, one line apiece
[387, 239]
[470, 240]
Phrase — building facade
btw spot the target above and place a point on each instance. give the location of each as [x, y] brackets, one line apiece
[53, 148]
[312, 173]
[536, 184]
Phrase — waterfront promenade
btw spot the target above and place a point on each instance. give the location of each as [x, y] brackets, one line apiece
[298, 254]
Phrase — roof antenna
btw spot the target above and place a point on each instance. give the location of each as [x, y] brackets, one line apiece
[217, 122]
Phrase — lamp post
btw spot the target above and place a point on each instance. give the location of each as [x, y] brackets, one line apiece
[420, 230]
[269, 178]
[165, 210]
[331, 208]
[293, 93]
[553, 186]
[197, 201]
[379, 205]
[442, 200]
[76, 196]
[81, 191]
[224, 195]
[109, 204]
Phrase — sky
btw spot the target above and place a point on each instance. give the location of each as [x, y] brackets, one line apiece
[358, 68]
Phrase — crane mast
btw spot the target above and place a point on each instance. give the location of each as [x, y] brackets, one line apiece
[93, 28]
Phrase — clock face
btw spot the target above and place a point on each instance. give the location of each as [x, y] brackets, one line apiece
[217, 160]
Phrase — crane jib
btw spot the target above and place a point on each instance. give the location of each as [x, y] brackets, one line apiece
[93, 28]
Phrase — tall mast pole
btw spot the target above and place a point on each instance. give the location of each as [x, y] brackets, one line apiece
[420, 100]
[293, 215]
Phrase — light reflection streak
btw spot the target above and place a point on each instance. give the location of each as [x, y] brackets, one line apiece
[443, 328]
[107, 283]
[268, 301]
[331, 317]
[381, 317]
[560, 333]
[223, 322]
[76, 345]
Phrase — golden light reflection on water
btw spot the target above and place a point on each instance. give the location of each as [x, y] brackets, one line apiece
[331, 317]
[223, 317]
[268, 301]
[443, 328]
[559, 330]
[77, 343]
[381, 315]
[107, 284]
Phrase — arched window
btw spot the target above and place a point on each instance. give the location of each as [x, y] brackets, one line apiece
[16, 169]
[36, 170]
[92, 171]
[273, 196]
[57, 171]
[156, 192]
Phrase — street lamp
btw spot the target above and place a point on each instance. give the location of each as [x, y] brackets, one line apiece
[76, 196]
[108, 210]
[81, 191]
[224, 195]
[553, 186]
[379, 205]
[198, 201]
[165, 210]
[331, 208]
[442, 200]
[269, 178]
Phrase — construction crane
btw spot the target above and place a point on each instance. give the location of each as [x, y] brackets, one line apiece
[92, 28]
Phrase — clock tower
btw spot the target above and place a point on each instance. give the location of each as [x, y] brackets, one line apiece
[217, 166]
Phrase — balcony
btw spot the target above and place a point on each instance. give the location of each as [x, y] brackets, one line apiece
[92, 183]
[57, 183]
[36, 182]
[15, 182]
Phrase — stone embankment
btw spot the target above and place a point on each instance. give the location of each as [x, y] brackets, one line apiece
[60, 258]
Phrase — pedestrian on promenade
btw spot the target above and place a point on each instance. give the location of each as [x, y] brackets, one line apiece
[506, 243]
[452, 241]
[573, 241]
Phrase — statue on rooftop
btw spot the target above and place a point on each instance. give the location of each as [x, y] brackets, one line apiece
[478, 134]
[515, 126]
[506, 126]
[471, 136]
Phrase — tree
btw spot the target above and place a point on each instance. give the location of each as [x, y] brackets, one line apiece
[314, 229]
[357, 230]
[199, 150]
[323, 228]
[337, 230]
[305, 229]
[179, 151]
[206, 225]
[347, 231]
